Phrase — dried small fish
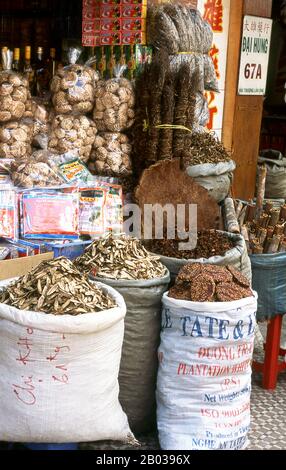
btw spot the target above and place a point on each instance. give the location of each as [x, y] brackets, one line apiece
[56, 287]
[120, 257]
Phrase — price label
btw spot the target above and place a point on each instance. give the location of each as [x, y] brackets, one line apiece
[254, 57]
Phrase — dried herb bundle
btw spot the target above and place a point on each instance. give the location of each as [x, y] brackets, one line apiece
[56, 287]
[120, 257]
[203, 148]
[209, 283]
[167, 117]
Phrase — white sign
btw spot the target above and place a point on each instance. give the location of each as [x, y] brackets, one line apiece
[255, 47]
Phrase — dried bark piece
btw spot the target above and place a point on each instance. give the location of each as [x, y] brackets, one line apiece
[190, 272]
[218, 273]
[203, 288]
[229, 291]
[165, 183]
[180, 293]
[238, 277]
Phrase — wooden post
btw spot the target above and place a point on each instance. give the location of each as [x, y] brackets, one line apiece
[242, 114]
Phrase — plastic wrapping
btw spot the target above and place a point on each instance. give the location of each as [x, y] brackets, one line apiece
[35, 171]
[111, 155]
[16, 139]
[188, 37]
[8, 214]
[114, 103]
[72, 133]
[72, 87]
[13, 90]
[50, 214]
[202, 114]
[91, 211]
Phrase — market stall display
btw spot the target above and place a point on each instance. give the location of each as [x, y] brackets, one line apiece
[111, 155]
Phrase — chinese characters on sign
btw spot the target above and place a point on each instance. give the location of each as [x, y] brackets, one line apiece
[216, 12]
[254, 56]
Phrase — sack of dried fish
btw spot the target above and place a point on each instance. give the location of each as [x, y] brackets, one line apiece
[14, 90]
[114, 103]
[213, 247]
[204, 345]
[111, 155]
[120, 257]
[139, 351]
[72, 133]
[16, 139]
[66, 358]
[72, 87]
[56, 287]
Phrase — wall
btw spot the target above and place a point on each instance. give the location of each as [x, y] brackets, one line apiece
[242, 114]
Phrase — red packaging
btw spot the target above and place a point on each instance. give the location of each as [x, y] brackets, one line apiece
[110, 11]
[110, 38]
[89, 27]
[133, 37]
[110, 24]
[133, 24]
[132, 11]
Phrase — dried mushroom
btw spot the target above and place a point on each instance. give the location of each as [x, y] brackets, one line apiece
[114, 105]
[16, 139]
[120, 257]
[72, 133]
[111, 155]
[72, 89]
[56, 287]
[13, 96]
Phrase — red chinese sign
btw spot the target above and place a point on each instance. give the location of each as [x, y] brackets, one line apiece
[213, 14]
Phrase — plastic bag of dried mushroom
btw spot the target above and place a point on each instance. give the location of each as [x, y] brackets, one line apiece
[114, 103]
[72, 133]
[207, 337]
[72, 87]
[74, 329]
[209, 283]
[111, 155]
[16, 139]
[14, 90]
[120, 257]
[36, 170]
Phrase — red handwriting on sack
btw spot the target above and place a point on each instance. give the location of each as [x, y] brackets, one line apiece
[25, 391]
[26, 345]
[55, 356]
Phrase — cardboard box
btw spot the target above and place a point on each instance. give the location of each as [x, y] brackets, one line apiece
[20, 266]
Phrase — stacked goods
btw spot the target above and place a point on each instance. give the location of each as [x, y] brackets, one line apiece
[120, 257]
[73, 87]
[15, 135]
[123, 264]
[56, 287]
[113, 114]
[210, 243]
[35, 171]
[72, 133]
[264, 232]
[209, 283]
[111, 155]
[16, 138]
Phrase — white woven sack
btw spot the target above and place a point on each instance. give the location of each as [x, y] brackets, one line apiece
[59, 375]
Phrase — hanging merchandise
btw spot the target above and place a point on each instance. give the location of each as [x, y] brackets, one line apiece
[113, 208]
[72, 87]
[111, 155]
[114, 103]
[8, 214]
[66, 372]
[187, 38]
[70, 133]
[51, 214]
[13, 90]
[205, 346]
